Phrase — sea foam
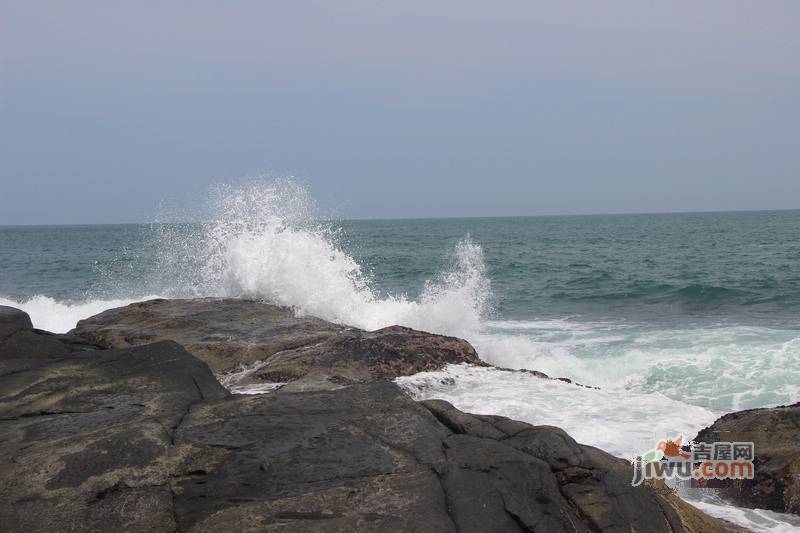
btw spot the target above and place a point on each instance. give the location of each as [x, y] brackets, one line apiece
[59, 317]
[264, 241]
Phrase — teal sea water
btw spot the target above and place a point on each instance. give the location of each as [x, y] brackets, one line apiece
[675, 318]
[687, 268]
[739, 267]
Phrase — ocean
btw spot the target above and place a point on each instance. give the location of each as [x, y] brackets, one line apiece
[671, 319]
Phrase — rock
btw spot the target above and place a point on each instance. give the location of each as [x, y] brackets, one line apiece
[35, 343]
[542, 375]
[775, 433]
[13, 320]
[225, 333]
[546, 481]
[230, 334]
[145, 439]
[356, 356]
[365, 457]
[87, 439]
[20, 342]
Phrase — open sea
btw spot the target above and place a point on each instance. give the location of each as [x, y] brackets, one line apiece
[675, 318]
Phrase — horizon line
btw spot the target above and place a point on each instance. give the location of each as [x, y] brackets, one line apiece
[452, 217]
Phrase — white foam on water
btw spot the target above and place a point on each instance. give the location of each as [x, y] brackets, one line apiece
[59, 317]
[723, 368]
[623, 423]
[552, 324]
[263, 241]
[757, 520]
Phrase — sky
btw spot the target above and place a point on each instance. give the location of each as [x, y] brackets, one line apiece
[111, 110]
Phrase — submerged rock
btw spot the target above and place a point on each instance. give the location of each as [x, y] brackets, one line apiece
[307, 352]
[145, 439]
[775, 433]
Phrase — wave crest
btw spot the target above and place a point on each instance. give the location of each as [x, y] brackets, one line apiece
[265, 241]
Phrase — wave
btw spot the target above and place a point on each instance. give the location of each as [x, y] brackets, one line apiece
[699, 294]
[264, 241]
[696, 296]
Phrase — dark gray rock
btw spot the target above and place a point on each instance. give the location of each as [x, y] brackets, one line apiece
[86, 439]
[225, 333]
[356, 356]
[367, 457]
[35, 343]
[13, 320]
[775, 433]
[145, 439]
[310, 353]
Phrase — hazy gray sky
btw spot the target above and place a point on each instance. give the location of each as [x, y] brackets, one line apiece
[449, 108]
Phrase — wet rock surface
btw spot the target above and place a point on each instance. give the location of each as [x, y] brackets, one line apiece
[775, 433]
[144, 438]
[306, 352]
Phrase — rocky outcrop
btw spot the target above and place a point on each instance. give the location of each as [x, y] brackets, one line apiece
[775, 433]
[366, 457]
[87, 435]
[307, 352]
[18, 338]
[13, 320]
[144, 438]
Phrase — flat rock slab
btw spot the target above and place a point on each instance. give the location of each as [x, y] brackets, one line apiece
[145, 439]
[775, 433]
[307, 352]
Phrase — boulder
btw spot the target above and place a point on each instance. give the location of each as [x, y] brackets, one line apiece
[87, 437]
[775, 433]
[35, 343]
[278, 346]
[13, 320]
[357, 356]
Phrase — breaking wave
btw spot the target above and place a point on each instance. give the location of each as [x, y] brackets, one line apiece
[265, 241]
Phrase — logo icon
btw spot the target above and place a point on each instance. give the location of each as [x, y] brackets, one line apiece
[671, 459]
